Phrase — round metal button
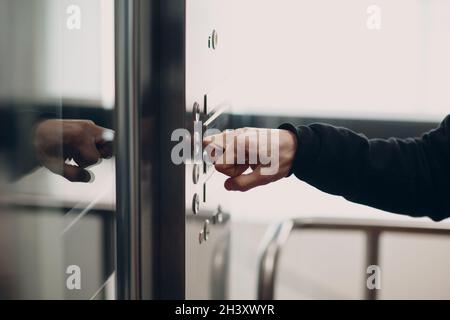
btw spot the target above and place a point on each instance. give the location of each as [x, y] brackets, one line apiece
[206, 230]
[196, 111]
[196, 173]
[196, 204]
[214, 39]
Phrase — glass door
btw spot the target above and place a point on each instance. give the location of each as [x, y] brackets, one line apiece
[57, 165]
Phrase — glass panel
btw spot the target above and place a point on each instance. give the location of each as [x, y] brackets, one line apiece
[57, 170]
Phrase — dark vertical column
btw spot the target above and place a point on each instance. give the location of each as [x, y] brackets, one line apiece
[171, 212]
[162, 110]
[127, 150]
[372, 259]
[150, 102]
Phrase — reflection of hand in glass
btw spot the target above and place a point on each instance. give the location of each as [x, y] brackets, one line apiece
[59, 141]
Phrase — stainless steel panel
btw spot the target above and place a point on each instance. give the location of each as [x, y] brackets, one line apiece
[208, 46]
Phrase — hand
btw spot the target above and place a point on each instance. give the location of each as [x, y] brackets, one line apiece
[59, 141]
[268, 153]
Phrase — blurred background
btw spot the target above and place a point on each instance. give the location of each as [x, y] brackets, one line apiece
[298, 61]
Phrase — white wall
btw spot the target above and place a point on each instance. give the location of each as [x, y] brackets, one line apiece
[317, 57]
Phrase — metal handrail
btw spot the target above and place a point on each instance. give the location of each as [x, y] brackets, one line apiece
[278, 234]
[127, 150]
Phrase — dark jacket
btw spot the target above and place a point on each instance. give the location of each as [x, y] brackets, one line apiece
[406, 176]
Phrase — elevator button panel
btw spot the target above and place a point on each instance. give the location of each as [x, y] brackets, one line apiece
[208, 41]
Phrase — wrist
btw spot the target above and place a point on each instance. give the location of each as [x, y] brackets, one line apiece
[291, 146]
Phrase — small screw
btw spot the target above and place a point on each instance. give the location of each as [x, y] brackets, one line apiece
[218, 218]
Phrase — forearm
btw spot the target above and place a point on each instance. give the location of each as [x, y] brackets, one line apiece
[401, 176]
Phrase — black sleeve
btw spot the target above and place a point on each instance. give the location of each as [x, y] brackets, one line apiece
[406, 176]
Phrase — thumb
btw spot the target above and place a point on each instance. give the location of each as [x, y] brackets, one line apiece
[247, 182]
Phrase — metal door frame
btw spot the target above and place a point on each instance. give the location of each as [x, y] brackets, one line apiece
[150, 86]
